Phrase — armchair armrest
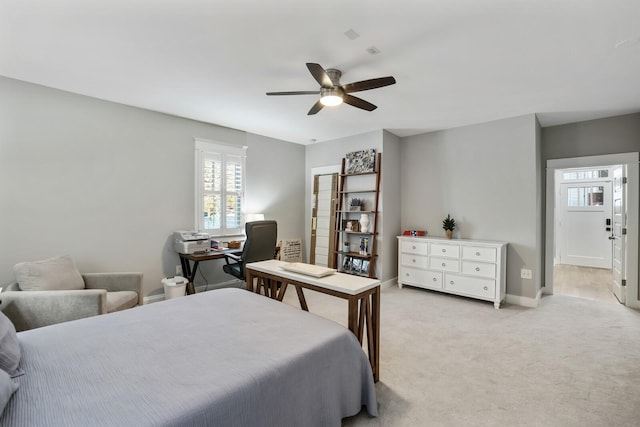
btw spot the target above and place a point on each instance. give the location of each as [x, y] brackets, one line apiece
[33, 309]
[114, 282]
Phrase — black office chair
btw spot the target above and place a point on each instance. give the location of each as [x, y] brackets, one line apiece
[259, 246]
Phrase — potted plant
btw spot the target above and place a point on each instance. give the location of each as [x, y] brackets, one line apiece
[449, 224]
[357, 204]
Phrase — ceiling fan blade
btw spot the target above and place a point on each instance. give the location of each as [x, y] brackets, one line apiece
[368, 84]
[358, 102]
[319, 74]
[316, 107]
[299, 92]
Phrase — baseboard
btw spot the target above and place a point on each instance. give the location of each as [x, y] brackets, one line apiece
[524, 301]
[389, 283]
[152, 298]
[202, 288]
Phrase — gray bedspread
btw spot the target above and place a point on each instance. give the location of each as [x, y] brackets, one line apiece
[221, 358]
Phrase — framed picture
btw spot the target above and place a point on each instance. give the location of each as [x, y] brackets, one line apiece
[346, 264]
[365, 267]
[356, 265]
[361, 161]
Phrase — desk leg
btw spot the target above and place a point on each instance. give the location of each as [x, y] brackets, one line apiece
[249, 280]
[302, 299]
[374, 356]
[353, 315]
[186, 270]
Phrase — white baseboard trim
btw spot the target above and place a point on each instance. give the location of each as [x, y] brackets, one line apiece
[524, 301]
[160, 297]
[389, 283]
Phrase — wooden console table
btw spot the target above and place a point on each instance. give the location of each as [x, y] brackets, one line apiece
[363, 295]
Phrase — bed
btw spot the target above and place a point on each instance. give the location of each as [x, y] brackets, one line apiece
[221, 358]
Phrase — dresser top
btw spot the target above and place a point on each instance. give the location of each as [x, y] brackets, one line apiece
[452, 241]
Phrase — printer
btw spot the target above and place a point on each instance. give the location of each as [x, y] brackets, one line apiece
[190, 242]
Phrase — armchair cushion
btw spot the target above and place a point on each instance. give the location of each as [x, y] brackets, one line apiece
[53, 274]
[9, 347]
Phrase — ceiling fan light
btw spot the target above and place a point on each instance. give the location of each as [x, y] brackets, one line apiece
[330, 97]
[331, 100]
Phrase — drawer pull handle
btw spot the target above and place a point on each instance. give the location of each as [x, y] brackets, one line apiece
[477, 268]
[477, 253]
[451, 283]
[444, 250]
[407, 274]
[435, 279]
[414, 260]
[414, 246]
[486, 289]
[444, 264]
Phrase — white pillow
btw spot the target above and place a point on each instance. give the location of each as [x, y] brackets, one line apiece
[53, 274]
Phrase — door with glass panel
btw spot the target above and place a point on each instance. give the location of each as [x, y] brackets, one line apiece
[618, 235]
[586, 224]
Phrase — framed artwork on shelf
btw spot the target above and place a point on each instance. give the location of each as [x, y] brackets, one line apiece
[361, 161]
[346, 264]
[365, 267]
[356, 265]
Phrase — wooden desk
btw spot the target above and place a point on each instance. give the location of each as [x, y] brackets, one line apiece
[362, 293]
[190, 273]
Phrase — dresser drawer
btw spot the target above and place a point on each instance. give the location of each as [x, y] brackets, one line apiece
[413, 247]
[479, 253]
[444, 264]
[445, 250]
[410, 260]
[421, 278]
[471, 286]
[479, 269]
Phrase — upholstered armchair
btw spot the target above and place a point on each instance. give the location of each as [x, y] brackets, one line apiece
[92, 294]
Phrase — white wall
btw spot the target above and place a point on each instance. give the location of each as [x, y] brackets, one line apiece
[485, 176]
[108, 184]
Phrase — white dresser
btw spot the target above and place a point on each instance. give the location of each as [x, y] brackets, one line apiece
[471, 268]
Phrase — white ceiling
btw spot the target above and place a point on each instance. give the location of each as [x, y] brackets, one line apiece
[456, 62]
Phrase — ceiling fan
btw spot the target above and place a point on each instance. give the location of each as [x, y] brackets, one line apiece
[333, 93]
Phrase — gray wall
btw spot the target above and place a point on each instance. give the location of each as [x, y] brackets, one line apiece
[391, 187]
[108, 184]
[485, 176]
[611, 135]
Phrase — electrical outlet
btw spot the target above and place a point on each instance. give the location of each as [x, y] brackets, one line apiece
[178, 270]
[526, 273]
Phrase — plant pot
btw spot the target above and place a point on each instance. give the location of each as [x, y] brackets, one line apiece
[449, 233]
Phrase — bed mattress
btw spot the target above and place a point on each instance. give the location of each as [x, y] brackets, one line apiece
[221, 358]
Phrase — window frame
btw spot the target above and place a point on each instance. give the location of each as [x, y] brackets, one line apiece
[202, 148]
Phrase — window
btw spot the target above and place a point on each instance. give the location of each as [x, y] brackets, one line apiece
[220, 176]
[586, 174]
[585, 196]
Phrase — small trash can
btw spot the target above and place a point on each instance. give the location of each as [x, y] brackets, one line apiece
[174, 287]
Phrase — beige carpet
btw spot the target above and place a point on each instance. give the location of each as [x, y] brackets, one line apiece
[451, 361]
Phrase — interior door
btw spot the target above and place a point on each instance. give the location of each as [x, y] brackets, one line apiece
[586, 207]
[618, 234]
[323, 215]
